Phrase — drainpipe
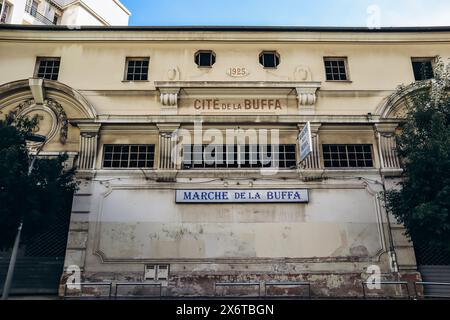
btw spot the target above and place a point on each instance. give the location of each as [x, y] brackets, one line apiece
[392, 253]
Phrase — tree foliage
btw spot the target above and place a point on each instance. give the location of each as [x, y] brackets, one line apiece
[40, 198]
[422, 203]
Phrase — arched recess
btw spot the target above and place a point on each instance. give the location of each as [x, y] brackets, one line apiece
[19, 91]
[55, 104]
[393, 107]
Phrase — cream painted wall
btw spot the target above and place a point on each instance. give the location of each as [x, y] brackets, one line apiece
[100, 66]
[375, 69]
[135, 222]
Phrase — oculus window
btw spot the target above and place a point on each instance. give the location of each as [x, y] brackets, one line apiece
[205, 58]
[269, 59]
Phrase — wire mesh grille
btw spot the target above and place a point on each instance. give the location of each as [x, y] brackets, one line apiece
[432, 256]
[52, 241]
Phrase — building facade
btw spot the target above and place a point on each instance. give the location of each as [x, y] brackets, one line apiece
[167, 128]
[64, 12]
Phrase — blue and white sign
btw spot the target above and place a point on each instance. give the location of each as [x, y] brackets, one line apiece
[305, 141]
[242, 196]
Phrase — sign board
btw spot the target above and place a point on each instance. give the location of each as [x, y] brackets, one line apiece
[242, 196]
[305, 141]
[220, 104]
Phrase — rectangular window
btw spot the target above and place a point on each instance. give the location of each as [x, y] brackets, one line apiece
[48, 68]
[239, 156]
[347, 156]
[156, 272]
[4, 18]
[56, 19]
[137, 69]
[129, 156]
[422, 68]
[336, 69]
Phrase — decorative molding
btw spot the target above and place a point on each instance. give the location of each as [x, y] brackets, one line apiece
[302, 73]
[37, 90]
[56, 112]
[89, 128]
[169, 128]
[306, 97]
[167, 152]
[88, 145]
[98, 249]
[387, 129]
[53, 89]
[169, 96]
[293, 119]
[173, 74]
[387, 148]
[62, 118]
[237, 84]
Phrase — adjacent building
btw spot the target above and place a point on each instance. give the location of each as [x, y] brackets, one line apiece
[169, 128]
[64, 12]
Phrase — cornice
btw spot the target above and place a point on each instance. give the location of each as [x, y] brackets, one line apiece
[241, 119]
[220, 35]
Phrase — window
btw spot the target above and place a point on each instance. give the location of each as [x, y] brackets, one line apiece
[47, 68]
[336, 69]
[4, 18]
[205, 58]
[423, 68]
[32, 7]
[269, 59]
[238, 156]
[129, 156]
[347, 156]
[137, 69]
[56, 19]
[156, 272]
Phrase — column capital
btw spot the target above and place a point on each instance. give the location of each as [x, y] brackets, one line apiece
[167, 127]
[386, 127]
[92, 128]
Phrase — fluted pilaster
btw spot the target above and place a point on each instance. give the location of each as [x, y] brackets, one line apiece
[387, 146]
[88, 146]
[168, 153]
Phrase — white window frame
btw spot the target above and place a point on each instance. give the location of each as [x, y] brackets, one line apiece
[346, 65]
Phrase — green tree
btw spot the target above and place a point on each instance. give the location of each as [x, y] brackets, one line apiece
[40, 198]
[422, 203]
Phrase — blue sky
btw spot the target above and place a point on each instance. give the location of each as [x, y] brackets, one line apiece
[288, 12]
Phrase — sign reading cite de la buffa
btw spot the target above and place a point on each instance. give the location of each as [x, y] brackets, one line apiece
[242, 196]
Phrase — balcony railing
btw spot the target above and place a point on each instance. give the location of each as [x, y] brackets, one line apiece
[39, 17]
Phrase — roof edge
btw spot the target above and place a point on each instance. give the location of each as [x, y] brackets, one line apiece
[225, 28]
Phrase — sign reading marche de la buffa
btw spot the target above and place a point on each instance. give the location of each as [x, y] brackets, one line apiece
[242, 196]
